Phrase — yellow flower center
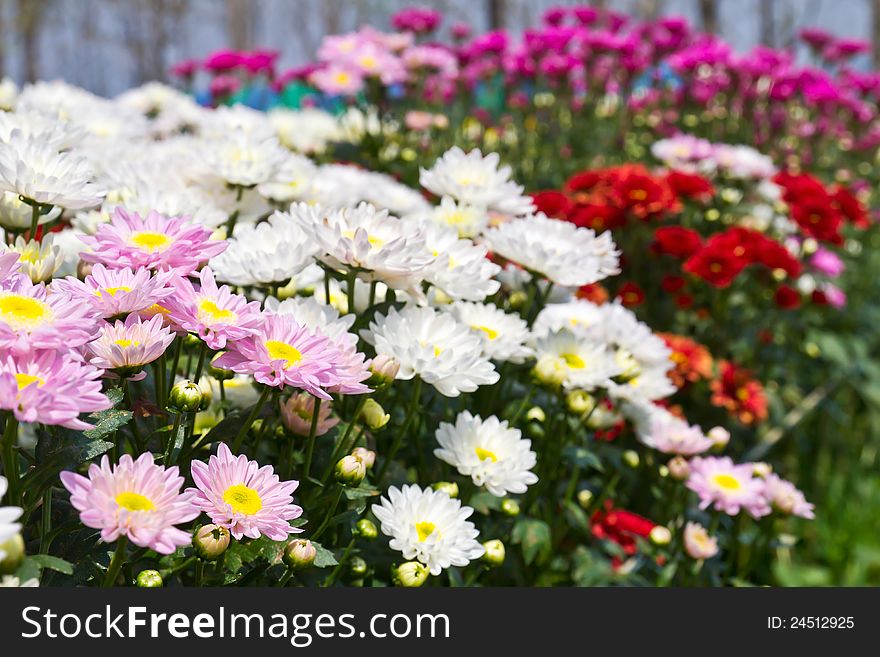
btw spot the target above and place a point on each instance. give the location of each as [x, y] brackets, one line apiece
[152, 242]
[375, 242]
[135, 502]
[727, 482]
[342, 77]
[24, 380]
[573, 361]
[484, 454]
[112, 291]
[22, 312]
[126, 342]
[491, 334]
[211, 312]
[424, 529]
[282, 351]
[242, 499]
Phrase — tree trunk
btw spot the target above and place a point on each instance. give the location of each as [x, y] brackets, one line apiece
[768, 23]
[29, 24]
[497, 10]
[875, 32]
[709, 16]
[239, 21]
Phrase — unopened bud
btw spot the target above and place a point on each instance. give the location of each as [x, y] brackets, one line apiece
[536, 414]
[631, 458]
[383, 371]
[11, 554]
[719, 437]
[185, 397]
[494, 553]
[350, 470]
[517, 299]
[579, 402]
[357, 567]
[584, 497]
[219, 373]
[366, 528]
[192, 340]
[679, 468]
[298, 411]
[448, 487]
[410, 574]
[149, 579]
[374, 415]
[761, 469]
[660, 535]
[368, 456]
[299, 554]
[210, 542]
[510, 507]
[549, 372]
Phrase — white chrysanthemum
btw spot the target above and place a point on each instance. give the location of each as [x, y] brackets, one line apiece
[15, 214]
[574, 315]
[467, 220]
[658, 428]
[430, 526]
[244, 160]
[475, 179]
[268, 253]
[433, 345]
[46, 129]
[8, 94]
[38, 172]
[38, 260]
[238, 118]
[503, 334]
[572, 361]
[12, 582]
[488, 451]
[559, 250]
[315, 316]
[386, 193]
[460, 267]
[362, 293]
[376, 245]
[8, 516]
[306, 131]
[292, 181]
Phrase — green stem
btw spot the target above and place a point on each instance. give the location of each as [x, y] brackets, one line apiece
[340, 445]
[175, 364]
[10, 459]
[398, 439]
[169, 447]
[46, 527]
[35, 219]
[203, 349]
[333, 575]
[310, 450]
[239, 439]
[329, 515]
[116, 562]
[285, 578]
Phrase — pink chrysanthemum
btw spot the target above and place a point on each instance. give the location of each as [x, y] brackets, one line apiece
[213, 313]
[154, 242]
[727, 486]
[283, 353]
[786, 498]
[126, 347]
[9, 265]
[50, 387]
[32, 317]
[117, 292]
[243, 497]
[137, 499]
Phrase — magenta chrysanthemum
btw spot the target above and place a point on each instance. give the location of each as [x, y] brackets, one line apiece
[154, 242]
[283, 353]
[9, 265]
[786, 498]
[127, 346]
[243, 497]
[137, 499]
[50, 387]
[117, 292]
[32, 317]
[213, 313]
[727, 486]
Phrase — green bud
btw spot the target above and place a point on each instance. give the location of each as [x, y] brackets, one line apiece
[192, 341]
[210, 542]
[149, 579]
[536, 414]
[517, 299]
[218, 373]
[448, 487]
[299, 554]
[350, 470]
[584, 497]
[494, 554]
[579, 402]
[660, 535]
[631, 458]
[185, 397]
[357, 567]
[366, 528]
[374, 415]
[535, 431]
[510, 507]
[383, 371]
[12, 552]
[410, 574]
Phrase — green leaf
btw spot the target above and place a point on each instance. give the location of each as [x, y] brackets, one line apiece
[360, 492]
[324, 557]
[534, 538]
[53, 563]
[483, 502]
[582, 458]
[576, 516]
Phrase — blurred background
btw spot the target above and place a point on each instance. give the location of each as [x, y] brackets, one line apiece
[108, 46]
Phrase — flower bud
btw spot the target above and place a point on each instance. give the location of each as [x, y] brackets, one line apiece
[185, 397]
[548, 372]
[719, 437]
[510, 507]
[11, 554]
[367, 456]
[366, 528]
[663, 471]
[631, 458]
[584, 497]
[535, 431]
[761, 469]
[579, 402]
[374, 415]
[210, 542]
[383, 371]
[660, 535]
[517, 299]
[679, 468]
[218, 373]
[536, 414]
[299, 554]
[448, 487]
[357, 567]
[192, 341]
[350, 470]
[494, 554]
[410, 574]
[298, 411]
[149, 579]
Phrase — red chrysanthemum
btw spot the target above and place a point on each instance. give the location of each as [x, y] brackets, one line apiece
[742, 395]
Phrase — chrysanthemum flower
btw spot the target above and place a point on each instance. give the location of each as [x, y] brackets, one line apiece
[39, 260]
[460, 268]
[432, 345]
[574, 362]
[284, 353]
[32, 317]
[137, 499]
[558, 250]
[786, 498]
[213, 313]
[17, 215]
[9, 266]
[698, 543]
[660, 429]
[298, 411]
[243, 497]
[117, 292]
[244, 159]
[503, 334]
[50, 387]
[728, 487]
[8, 516]
[126, 347]
[154, 242]
[430, 526]
[488, 451]
[315, 316]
